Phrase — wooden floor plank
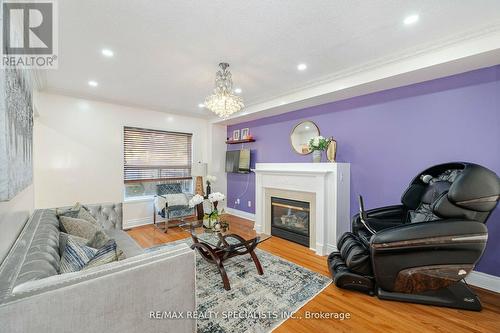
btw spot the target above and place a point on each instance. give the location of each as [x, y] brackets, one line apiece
[368, 314]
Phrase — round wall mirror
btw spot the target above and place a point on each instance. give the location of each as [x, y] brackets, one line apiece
[301, 134]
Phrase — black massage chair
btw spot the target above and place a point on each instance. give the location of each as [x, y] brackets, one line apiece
[420, 251]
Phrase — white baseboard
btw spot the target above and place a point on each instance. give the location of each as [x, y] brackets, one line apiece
[240, 213]
[331, 248]
[137, 222]
[483, 280]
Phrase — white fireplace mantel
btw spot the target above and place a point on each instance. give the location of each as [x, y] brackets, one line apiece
[330, 184]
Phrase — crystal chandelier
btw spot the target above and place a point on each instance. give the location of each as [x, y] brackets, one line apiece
[223, 102]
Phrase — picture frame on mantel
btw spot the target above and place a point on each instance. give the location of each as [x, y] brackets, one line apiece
[236, 135]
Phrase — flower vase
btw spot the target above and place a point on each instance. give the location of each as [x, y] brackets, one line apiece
[206, 222]
[316, 155]
[209, 222]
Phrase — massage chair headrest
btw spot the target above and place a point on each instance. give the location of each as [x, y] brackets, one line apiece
[454, 190]
[476, 188]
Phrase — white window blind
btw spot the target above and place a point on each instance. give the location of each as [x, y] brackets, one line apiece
[152, 155]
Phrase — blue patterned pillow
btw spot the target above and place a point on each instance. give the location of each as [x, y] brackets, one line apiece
[104, 255]
[75, 256]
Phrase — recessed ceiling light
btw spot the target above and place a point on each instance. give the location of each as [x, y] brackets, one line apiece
[301, 67]
[93, 83]
[237, 90]
[201, 105]
[411, 19]
[107, 53]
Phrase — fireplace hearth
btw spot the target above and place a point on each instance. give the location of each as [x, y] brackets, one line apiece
[290, 220]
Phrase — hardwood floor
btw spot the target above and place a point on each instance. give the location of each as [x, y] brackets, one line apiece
[367, 314]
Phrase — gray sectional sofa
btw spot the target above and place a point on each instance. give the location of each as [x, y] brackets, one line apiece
[116, 297]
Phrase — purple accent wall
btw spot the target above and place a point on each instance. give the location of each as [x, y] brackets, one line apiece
[390, 136]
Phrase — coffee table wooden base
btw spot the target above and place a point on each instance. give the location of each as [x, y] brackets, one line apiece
[217, 256]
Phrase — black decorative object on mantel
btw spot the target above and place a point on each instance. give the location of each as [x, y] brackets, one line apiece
[209, 180]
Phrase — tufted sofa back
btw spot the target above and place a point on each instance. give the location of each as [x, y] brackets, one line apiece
[109, 215]
[35, 254]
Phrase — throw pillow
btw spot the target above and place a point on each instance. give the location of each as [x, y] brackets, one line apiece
[104, 255]
[63, 239]
[75, 256]
[120, 254]
[99, 240]
[177, 199]
[70, 212]
[78, 227]
[84, 214]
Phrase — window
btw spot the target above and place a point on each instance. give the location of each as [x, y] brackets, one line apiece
[154, 157]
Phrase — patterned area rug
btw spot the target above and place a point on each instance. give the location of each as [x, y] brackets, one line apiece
[256, 303]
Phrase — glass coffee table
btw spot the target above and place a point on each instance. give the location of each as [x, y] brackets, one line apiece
[217, 247]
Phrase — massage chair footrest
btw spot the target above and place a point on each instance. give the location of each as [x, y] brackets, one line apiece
[344, 278]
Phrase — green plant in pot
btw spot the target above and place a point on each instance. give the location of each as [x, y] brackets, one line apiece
[212, 219]
[317, 145]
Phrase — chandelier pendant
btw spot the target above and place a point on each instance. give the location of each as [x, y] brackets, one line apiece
[223, 102]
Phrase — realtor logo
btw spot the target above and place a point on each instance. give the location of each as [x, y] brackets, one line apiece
[29, 34]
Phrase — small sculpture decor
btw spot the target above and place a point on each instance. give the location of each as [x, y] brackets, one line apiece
[209, 179]
[220, 226]
[331, 151]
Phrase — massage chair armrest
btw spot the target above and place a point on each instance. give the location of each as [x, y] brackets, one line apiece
[389, 212]
[425, 230]
[380, 218]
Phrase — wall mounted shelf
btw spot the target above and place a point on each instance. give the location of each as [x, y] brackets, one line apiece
[233, 142]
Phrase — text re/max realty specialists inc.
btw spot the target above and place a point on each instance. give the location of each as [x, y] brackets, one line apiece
[247, 315]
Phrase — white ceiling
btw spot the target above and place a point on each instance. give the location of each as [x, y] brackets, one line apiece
[167, 51]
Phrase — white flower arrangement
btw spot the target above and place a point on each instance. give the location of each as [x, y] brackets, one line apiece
[318, 143]
[215, 197]
[210, 179]
[196, 200]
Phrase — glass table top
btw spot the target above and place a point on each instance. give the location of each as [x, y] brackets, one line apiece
[225, 240]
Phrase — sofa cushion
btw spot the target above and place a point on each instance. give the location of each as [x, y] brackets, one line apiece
[84, 214]
[75, 256]
[79, 227]
[105, 255]
[125, 243]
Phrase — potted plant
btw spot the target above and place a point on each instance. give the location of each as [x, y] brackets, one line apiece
[317, 145]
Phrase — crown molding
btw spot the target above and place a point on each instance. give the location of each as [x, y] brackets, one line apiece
[462, 53]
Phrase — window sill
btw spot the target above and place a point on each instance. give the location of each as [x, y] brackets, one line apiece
[146, 198]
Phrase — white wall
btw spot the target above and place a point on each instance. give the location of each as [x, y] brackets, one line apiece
[13, 215]
[78, 151]
[217, 158]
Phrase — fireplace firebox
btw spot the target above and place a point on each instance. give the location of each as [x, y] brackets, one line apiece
[290, 220]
